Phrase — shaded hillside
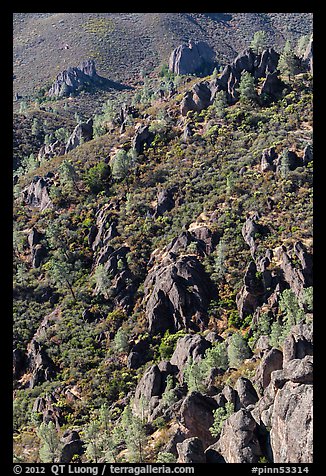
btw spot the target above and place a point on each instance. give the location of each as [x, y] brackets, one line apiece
[124, 44]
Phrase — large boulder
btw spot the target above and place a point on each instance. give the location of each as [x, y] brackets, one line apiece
[72, 446]
[292, 426]
[74, 78]
[37, 193]
[272, 360]
[83, 132]
[40, 365]
[143, 136]
[246, 394]
[165, 202]
[191, 451]
[238, 442]
[252, 293]
[308, 56]
[189, 346]
[272, 86]
[299, 342]
[196, 416]
[195, 58]
[177, 293]
[149, 387]
[296, 371]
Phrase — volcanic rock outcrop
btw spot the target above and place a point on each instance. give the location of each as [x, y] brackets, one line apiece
[195, 58]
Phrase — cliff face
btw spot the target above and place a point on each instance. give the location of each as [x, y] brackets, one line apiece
[163, 269]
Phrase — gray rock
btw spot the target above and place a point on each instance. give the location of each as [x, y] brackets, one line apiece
[82, 133]
[308, 154]
[196, 415]
[308, 56]
[149, 386]
[165, 202]
[238, 442]
[38, 253]
[272, 360]
[195, 58]
[299, 342]
[142, 136]
[296, 371]
[246, 395]
[267, 160]
[18, 362]
[189, 346]
[41, 367]
[291, 433]
[191, 451]
[272, 86]
[178, 292]
[72, 446]
[68, 81]
[252, 293]
[37, 193]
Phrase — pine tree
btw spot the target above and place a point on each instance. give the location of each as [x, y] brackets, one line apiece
[37, 128]
[259, 42]
[68, 175]
[194, 376]
[217, 356]
[238, 350]
[103, 281]
[288, 63]
[220, 104]
[134, 435]
[247, 92]
[94, 449]
[51, 446]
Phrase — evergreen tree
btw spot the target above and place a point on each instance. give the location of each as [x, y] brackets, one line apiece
[247, 92]
[220, 415]
[122, 165]
[302, 44]
[51, 446]
[134, 435]
[220, 104]
[92, 435]
[194, 376]
[68, 175]
[238, 350]
[121, 341]
[259, 42]
[103, 281]
[288, 63]
[37, 128]
[217, 356]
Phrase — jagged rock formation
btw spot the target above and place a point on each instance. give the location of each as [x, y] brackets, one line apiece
[72, 446]
[37, 250]
[82, 133]
[48, 408]
[177, 293]
[73, 78]
[189, 346]
[238, 442]
[47, 151]
[191, 451]
[165, 202]
[37, 193]
[142, 137]
[40, 366]
[263, 65]
[252, 293]
[195, 58]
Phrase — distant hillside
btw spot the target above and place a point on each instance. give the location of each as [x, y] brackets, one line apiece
[123, 44]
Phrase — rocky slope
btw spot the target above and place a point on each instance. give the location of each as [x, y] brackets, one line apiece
[163, 266]
[123, 44]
